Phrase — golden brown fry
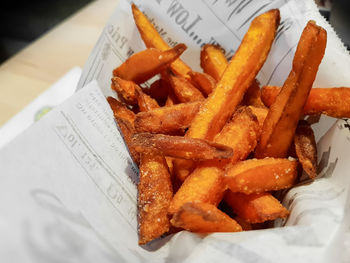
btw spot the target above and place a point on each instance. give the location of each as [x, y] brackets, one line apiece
[184, 90]
[284, 114]
[180, 147]
[145, 102]
[205, 183]
[148, 63]
[204, 218]
[167, 120]
[126, 90]
[260, 113]
[154, 196]
[305, 147]
[152, 39]
[238, 76]
[204, 82]
[253, 95]
[256, 208]
[261, 175]
[213, 61]
[158, 90]
[125, 119]
[334, 102]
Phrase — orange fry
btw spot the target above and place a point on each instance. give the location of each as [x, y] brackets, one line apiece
[154, 196]
[205, 183]
[256, 208]
[238, 76]
[261, 175]
[305, 148]
[148, 63]
[253, 95]
[184, 90]
[334, 102]
[152, 39]
[126, 90]
[213, 61]
[158, 90]
[180, 147]
[284, 114]
[125, 119]
[167, 120]
[204, 218]
[260, 113]
[204, 82]
[145, 102]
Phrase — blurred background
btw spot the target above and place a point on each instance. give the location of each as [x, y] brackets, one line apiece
[21, 22]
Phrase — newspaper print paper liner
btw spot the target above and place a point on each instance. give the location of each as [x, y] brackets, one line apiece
[315, 230]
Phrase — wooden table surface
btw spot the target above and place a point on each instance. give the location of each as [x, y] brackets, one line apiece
[34, 69]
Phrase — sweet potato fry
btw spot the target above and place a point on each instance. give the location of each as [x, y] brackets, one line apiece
[213, 61]
[260, 113]
[205, 183]
[125, 119]
[253, 95]
[184, 90]
[158, 90]
[241, 133]
[256, 208]
[148, 63]
[154, 196]
[238, 76]
[261, 175]
[167, 120]
[125, 89]
[145, 102]
[305, 148]
[334, 102]
[180, 147]
[204, 218]
[284, 114]
[152, 39]
[204, 82]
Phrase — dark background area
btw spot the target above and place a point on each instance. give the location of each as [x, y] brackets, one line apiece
[21, 22]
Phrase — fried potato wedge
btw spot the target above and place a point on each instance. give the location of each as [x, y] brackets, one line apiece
[253, 95]
[147, 63]
[334, 102]
[213, 61]
[180, 147]
[204, 218]
[205, 183]
[125, 119]
[152, 39]
[305, 148]
[284, 113]
[167, 120]
[261, 175]
[256, 208]
[183, 89]
[154, 195]
[204, 82]
[238, 76]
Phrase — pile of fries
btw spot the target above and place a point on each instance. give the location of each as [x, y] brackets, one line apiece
[204, 139]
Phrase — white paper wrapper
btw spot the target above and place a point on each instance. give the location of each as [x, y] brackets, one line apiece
[68, 187]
